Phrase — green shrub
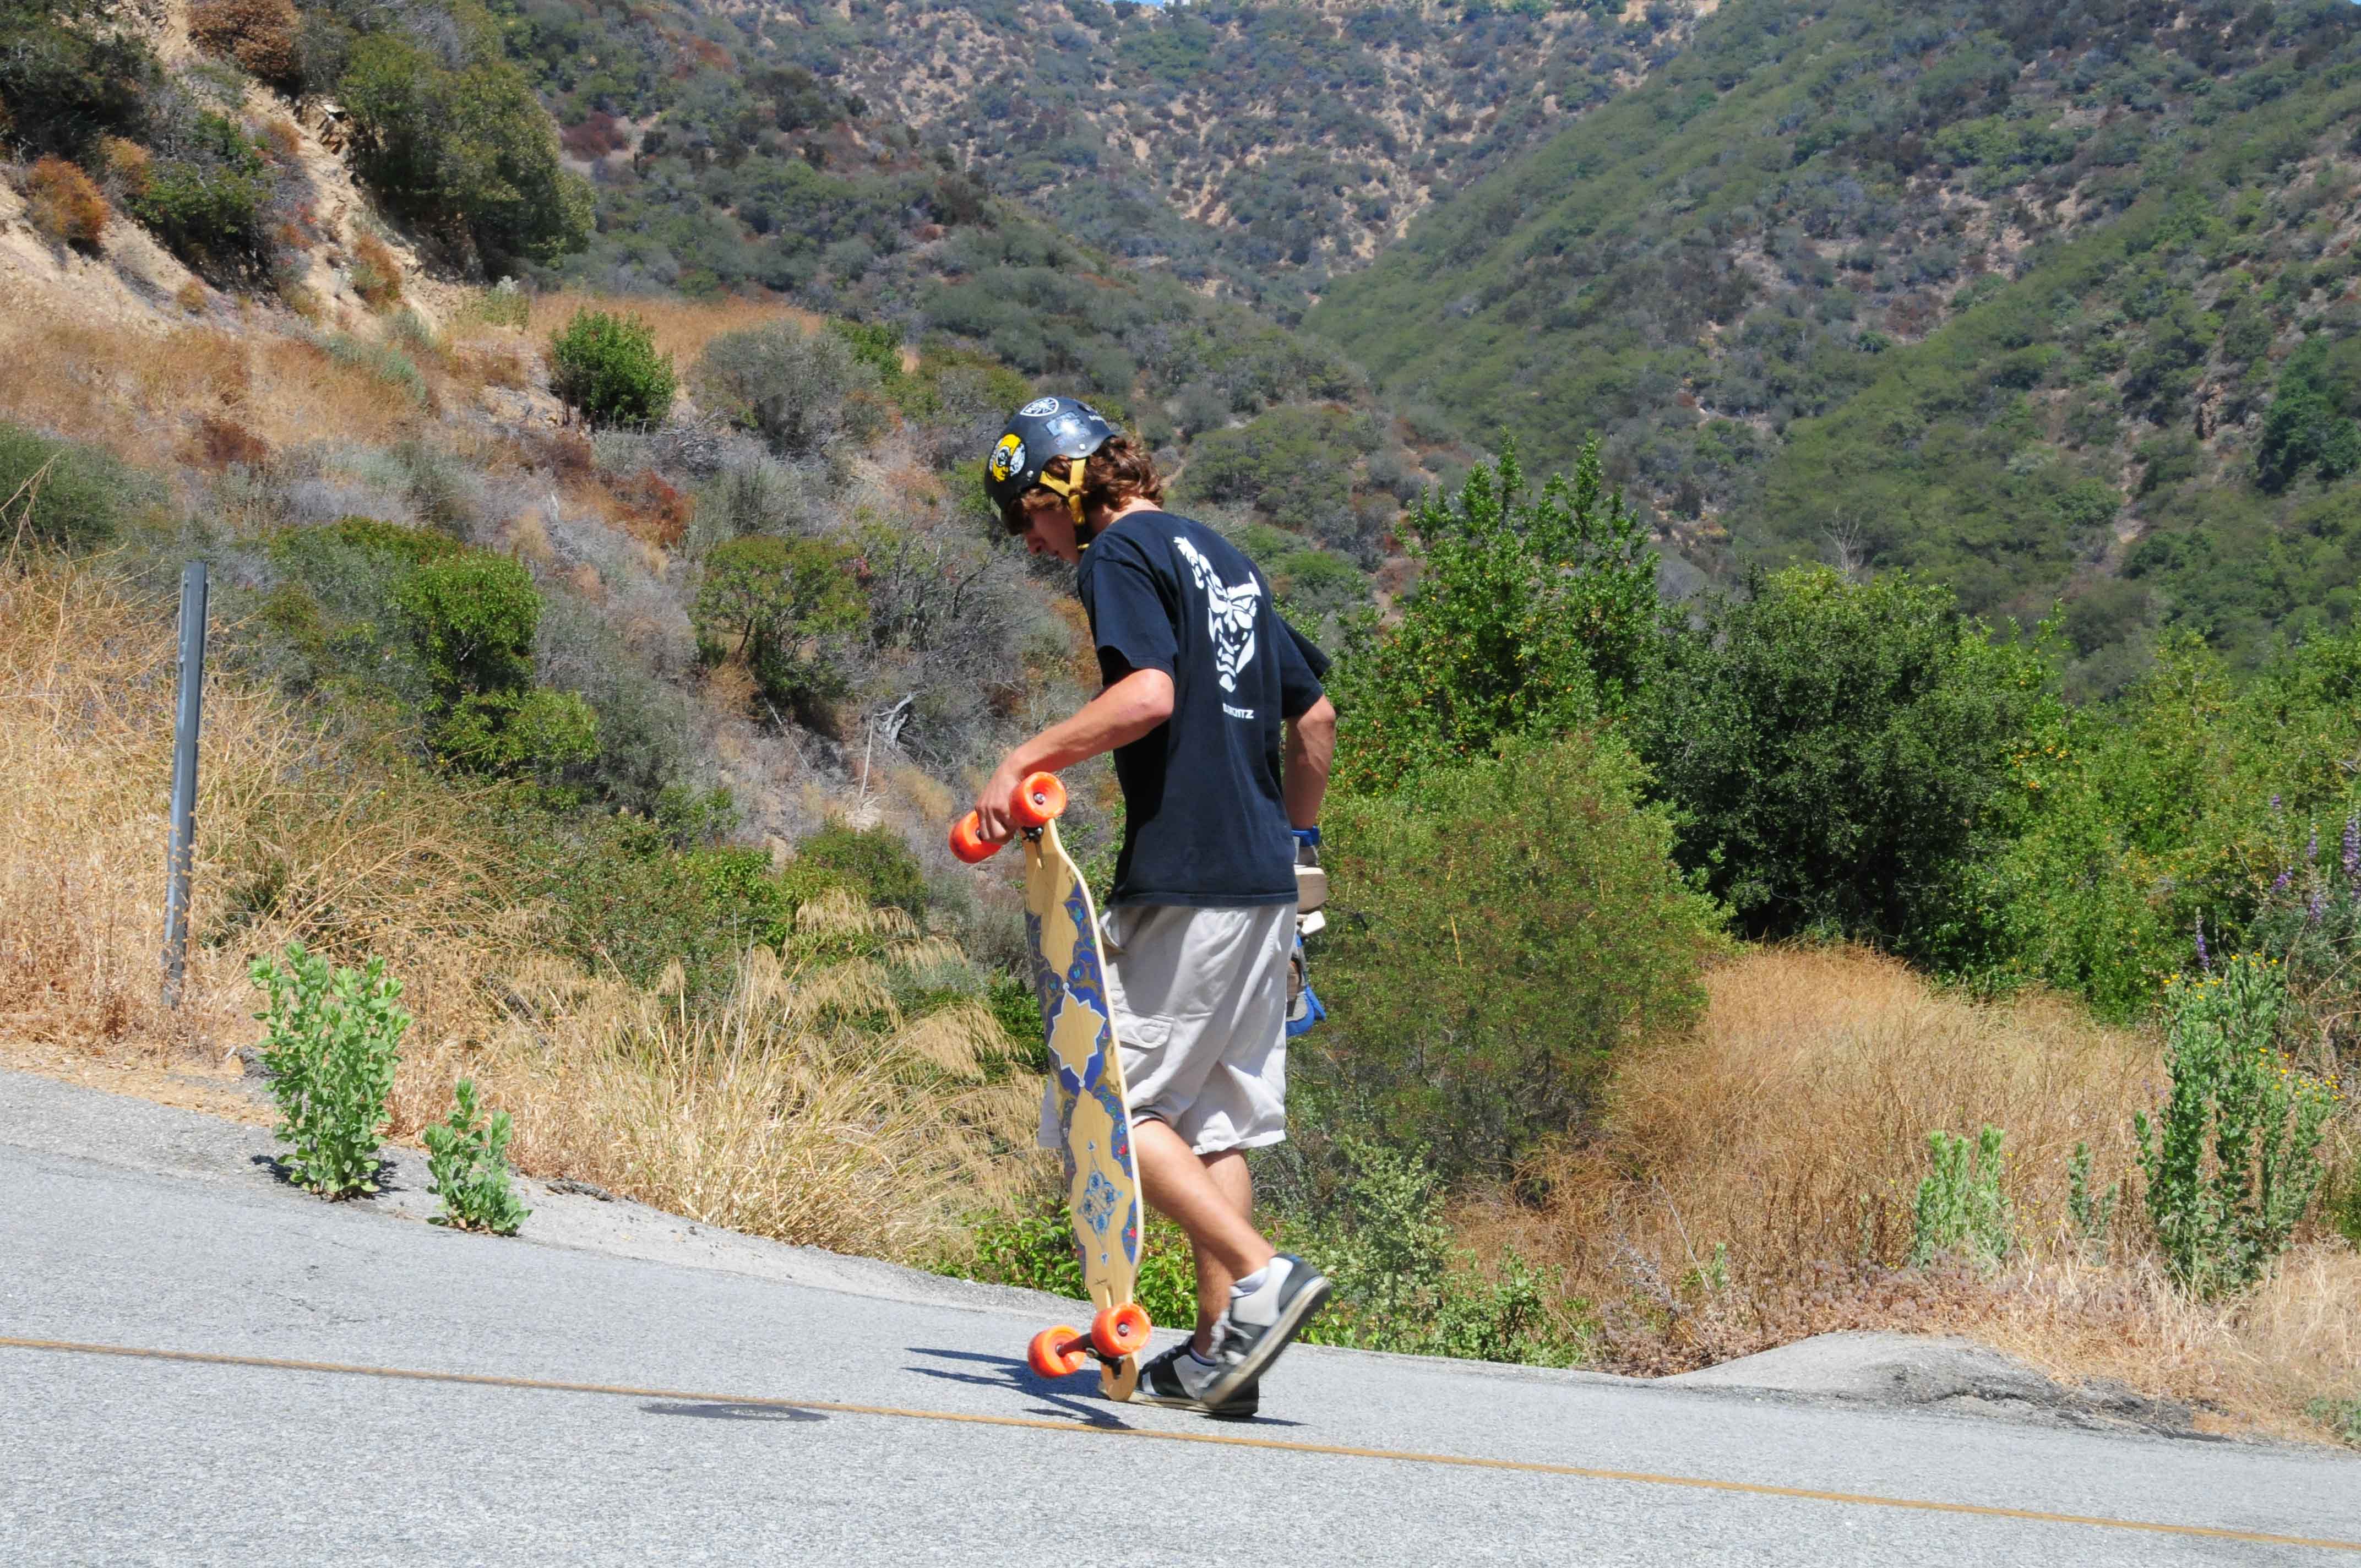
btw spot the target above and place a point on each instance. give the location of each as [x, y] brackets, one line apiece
[466, 1157]
[626, 897]
[502, 304]
[1960, 1207]
[1495, 935]
[534, 734]
[472, 618]
[1035, 1252]
[1295, 466]
[1837, 753]
[63, 493]
[465, 152]
[1402, 1286]
[2232, 1158]
[332, 1038]
[2305, 427]
[791, 607]
[67, 77]
[1532, 614]
[807, 394]
[873, 859]
[2345, 1214]
[209, 205]
[607, 365]
[1017, 1011]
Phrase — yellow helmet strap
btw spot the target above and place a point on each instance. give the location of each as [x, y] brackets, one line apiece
[1072, 489]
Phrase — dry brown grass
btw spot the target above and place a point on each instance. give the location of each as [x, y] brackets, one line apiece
[1781, 1145]
[64, 204]
[779, 1114]
[770, 1116]
[377, 275]
[299, 836]
[139, 392]
[681, 327]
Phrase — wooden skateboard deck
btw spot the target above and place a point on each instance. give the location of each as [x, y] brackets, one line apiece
[1085, 1069]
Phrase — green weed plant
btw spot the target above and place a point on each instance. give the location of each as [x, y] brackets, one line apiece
[2090, 1212]
[1960, 1209]
[2232, 1158]
[466, 1157]
[2342, 1417]
[332, 1038]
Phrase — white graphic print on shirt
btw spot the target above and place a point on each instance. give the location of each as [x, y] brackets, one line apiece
[1230, 614]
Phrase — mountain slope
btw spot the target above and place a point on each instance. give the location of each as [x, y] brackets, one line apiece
[1251, 149]
[717, 163]
[1998, 292]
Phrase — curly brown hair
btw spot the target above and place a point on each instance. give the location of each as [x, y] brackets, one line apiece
[1121, 470]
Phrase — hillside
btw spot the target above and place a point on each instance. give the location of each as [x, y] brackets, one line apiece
[2040, 302]
[1251, 149]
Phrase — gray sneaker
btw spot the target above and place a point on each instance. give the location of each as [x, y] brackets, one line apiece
[1250, 1335]
[1179, 1379]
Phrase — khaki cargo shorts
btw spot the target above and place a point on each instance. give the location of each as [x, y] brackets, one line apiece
[1199, 1004]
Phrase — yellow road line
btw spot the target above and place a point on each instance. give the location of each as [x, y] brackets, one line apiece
[1219, 1440]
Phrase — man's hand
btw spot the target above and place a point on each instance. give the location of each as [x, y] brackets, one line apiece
[992, 819]
[1116, 717]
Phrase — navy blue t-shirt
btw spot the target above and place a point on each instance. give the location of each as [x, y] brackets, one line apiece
[1206, 824]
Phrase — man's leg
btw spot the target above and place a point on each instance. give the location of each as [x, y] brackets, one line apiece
[1211, 1204]
[1228, 1170]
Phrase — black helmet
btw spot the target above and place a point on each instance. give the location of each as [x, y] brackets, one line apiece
[1037, 435]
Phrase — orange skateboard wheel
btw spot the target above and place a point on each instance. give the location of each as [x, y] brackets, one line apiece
[1118, 1331]
[968, 844]
[1058, 1353]
[1040, 798]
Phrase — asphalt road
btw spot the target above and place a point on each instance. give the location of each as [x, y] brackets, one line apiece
[716, 1416]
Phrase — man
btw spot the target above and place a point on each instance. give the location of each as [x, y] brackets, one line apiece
[1206, 688]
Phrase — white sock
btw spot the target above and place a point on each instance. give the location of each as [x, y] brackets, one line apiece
[1199, 1359]
[1252, 1282]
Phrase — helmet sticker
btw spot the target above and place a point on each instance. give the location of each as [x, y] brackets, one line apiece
[1037, 408]
[1007, 457]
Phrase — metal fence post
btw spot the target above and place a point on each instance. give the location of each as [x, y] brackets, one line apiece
[185, 780]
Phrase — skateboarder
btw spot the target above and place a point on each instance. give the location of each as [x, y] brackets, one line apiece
[1206, 690]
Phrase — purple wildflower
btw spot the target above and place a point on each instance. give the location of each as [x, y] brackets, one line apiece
[2275, 802]
[2280, 883]
[2312, 851]
[2312, 912]
[2351, 847]
[2204, 961]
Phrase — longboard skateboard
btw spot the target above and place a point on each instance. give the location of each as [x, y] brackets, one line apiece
[1101, 1177]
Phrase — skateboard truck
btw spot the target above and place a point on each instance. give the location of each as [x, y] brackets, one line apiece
[1116, 1332]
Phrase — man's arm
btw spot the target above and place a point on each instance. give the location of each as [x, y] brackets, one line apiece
[1311, 746]
[1116, 717]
